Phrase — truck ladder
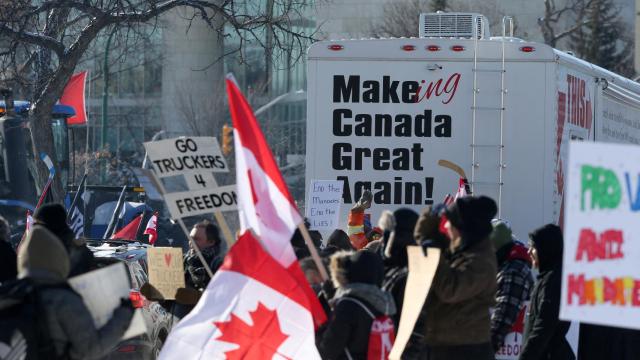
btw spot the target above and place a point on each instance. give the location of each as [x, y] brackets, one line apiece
[476, 108]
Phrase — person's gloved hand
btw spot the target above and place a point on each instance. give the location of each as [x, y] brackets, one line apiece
[150, 292]
[187, 296]
[126, 303]
[364, 202]
[427, 231]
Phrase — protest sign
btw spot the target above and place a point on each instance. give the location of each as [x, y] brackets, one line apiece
[601, 277]
[512, 346]
[191, 203]
[323, 207]
[101, 291]
[422, 270]
[186, 155]
[166, 271]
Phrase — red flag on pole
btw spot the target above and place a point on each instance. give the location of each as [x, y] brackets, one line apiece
[129, 231]
[264, 203]
[152, 228]
[73, 96]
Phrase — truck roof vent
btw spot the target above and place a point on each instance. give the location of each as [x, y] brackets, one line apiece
[454, 25]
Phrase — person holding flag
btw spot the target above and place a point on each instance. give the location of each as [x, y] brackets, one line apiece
[259, 304]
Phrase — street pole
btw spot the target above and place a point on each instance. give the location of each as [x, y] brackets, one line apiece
[105, 101]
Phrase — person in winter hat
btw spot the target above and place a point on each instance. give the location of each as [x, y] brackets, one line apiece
[457, 324]
[63, 315]
[395, 256]
[8, 270]
[514, 281]
[357, 278]
[340, 240]
[545, 334]
[54, 218]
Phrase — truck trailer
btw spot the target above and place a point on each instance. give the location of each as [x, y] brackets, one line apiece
[382, 113]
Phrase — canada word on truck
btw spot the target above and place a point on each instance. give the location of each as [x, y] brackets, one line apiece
[205, 202]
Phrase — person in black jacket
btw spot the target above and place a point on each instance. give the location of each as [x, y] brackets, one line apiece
[395, 256]
[8, 257]
[357, 277]
[545, 334]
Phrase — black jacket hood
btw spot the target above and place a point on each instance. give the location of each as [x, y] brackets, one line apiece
[548, 242]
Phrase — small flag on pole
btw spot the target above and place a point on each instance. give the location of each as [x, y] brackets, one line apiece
[73, 96]
[152, 228]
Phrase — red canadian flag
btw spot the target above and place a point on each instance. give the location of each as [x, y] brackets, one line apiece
[264, 203]
[152, 228]
[73, 96]
[252, 309]
[129, 231]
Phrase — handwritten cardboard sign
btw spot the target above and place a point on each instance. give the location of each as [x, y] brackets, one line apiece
[166, 272]
[323, 208]
[601, 277]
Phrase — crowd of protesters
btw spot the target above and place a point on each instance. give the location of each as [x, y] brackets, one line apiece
[484, 278]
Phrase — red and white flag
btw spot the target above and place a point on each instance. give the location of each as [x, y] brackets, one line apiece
[152, 228]
[264, 203]
[29, 223]
[73, 95]
[462, 189]
[252, 309]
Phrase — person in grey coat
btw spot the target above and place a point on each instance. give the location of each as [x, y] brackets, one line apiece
[43, 259]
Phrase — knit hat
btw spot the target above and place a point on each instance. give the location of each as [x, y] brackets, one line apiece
[42, 256]
[501, 234]
[357, 267]
[339, 239]
[54, 218]
[472, 217]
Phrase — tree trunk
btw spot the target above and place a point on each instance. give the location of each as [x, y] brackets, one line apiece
[42, 107]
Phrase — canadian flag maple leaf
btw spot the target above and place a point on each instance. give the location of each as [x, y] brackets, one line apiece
[258, 341]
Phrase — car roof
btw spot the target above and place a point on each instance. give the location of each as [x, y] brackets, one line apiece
[121, 250]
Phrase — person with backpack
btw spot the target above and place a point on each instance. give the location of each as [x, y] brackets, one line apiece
[52, 320]
[457, 323]
[396, 261]
[514, 282]
[360, 325]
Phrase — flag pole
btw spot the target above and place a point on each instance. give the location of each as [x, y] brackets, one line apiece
[313, 251]
[184, 228]
[77, 195]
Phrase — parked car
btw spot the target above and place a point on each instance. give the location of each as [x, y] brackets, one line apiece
[157, 319]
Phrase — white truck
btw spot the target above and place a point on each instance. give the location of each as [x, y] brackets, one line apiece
[383, 112]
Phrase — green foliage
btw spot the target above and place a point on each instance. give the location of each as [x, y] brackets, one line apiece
[605, 39]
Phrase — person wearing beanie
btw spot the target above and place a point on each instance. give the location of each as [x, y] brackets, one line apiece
[514, 281]
[457, 323]
[395, 256]
[340, 240]
[65, 319]
[357, 277]
[54, 218]
[545, 334]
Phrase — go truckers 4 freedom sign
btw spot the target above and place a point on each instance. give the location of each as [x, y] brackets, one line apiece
[196, 158]
[601, 276]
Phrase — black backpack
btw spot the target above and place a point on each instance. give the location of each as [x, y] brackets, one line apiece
[21, 335]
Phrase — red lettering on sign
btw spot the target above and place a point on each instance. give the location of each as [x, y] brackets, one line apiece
[607, 246]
